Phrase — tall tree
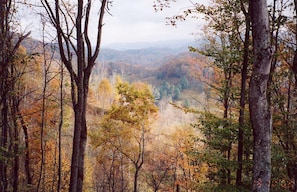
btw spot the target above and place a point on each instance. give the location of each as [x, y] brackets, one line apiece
[75, 37]
[258, 103]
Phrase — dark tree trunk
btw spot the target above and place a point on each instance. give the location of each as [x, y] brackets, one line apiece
[4, 133]
[60, 130]
[76, 179]
[136, 179]
[3, 104]
[14, 102]
[16, 160]
[244, 72]
[86, 56]
[4, 78]
[259, 109]
[27, 154]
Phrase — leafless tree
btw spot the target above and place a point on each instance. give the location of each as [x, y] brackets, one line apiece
[72, 27]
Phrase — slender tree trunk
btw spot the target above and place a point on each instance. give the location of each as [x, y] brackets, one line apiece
[242, 101]
[138, 164]
[136, 179]
[122, 173]
[16, 159]
[27, 153]
[14, 102]
[60, 130]
[43, 120]
[294, 67]
[258, 102]
[226, 172]
[275, 44]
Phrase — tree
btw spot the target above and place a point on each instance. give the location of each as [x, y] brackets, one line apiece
[228, 22]
[157, 170]
[177, 93]
[282, 95]
[184, 82]
[104, 92]
[77, 24]
[38, 109]
[125, 128]
[259, 109]
[187, 167]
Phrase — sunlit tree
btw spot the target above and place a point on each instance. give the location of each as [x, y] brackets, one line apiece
[125, 128]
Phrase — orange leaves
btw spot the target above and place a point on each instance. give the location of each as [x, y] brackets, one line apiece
[38, 89]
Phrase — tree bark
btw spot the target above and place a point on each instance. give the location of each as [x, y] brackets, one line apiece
[258, 103]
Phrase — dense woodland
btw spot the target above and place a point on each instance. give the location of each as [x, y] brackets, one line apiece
[219, 117]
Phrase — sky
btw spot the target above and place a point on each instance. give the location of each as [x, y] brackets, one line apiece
[135, 21]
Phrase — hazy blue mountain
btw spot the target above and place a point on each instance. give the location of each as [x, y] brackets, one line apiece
[180, 45]
[151, 57]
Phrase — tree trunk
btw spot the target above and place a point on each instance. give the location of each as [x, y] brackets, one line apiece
[60, 130]
[243, 96]
[136, 179]
[259, 109]
[14, 103]
[43, 120]
[4, 130]
[4, 50]
[16, 159]
[77, 164]
[27, 154]
[76, 147]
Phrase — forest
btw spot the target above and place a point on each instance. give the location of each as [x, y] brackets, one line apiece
[219, 117]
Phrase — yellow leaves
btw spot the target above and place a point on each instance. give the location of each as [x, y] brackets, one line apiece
[186, 148]
[88, 176]
[104, 94]
[104, 87]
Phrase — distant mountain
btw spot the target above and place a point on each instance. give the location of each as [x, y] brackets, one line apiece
[173, 71]
[171, 44]
[149, 57]
[152, 65]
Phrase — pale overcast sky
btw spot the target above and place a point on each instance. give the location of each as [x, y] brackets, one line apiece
[137, 21]
[134, 21]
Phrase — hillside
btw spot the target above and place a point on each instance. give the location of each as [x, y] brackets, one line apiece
[173, 76]
[152, 57]
[171, 72]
